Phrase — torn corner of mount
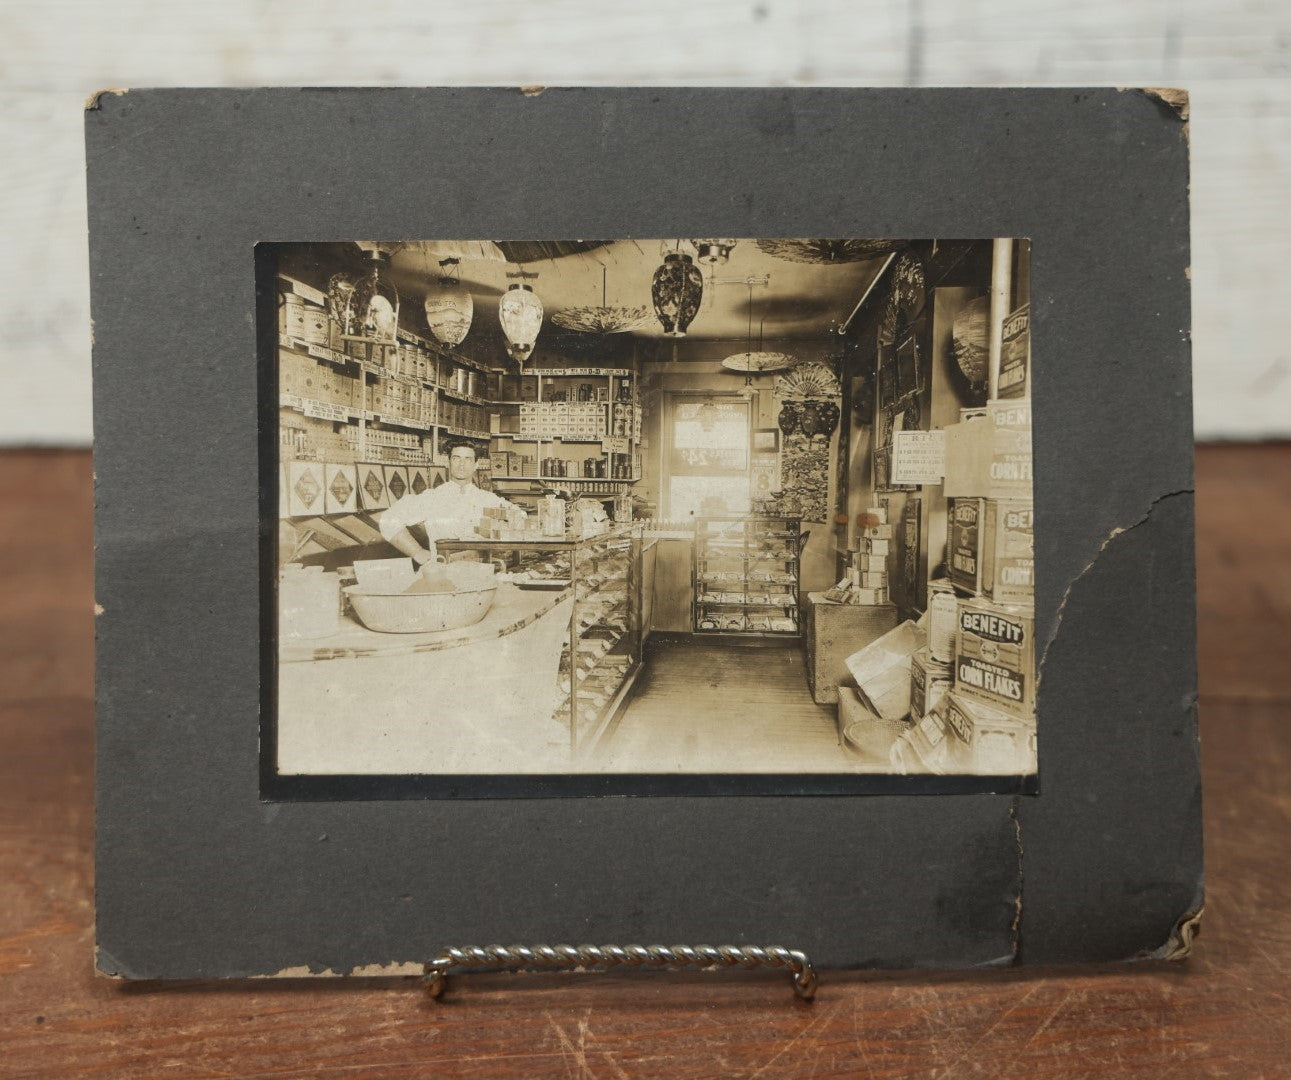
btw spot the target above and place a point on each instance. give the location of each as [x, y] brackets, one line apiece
[95, 100]
[1178, 946]
[1171, 97]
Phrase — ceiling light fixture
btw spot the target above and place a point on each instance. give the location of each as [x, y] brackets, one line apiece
[713, 252]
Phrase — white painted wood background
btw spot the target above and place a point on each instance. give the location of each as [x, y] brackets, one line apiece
[1234, 58]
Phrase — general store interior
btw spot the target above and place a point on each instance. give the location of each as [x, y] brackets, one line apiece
[720, 417]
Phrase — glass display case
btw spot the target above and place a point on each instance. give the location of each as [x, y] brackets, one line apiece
[601, 657]
[745, 578]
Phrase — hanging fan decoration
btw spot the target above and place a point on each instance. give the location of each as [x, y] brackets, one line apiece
[970, 340]
[449, 306]
[809, 379]
[829, 252]
[605, 319]
[520, 313]
[753, 361]
[906, 298]
[677, 289]
[713, 252]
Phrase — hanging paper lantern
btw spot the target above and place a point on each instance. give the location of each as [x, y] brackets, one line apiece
[677, 290]
[970, 339]
[520, 313]
[449, 310]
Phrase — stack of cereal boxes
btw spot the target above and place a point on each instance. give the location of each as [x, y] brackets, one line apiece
[869, 572]
[987, 706]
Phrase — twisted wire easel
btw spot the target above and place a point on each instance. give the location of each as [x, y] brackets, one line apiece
[521, 957]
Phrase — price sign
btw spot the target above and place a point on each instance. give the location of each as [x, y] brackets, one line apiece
[918, 457]
[614, 446]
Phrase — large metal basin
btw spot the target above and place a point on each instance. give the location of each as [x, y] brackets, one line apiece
[474, 590]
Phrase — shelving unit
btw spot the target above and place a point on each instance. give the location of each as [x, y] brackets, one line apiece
[745, 576]
[326, 379]
[544, 437]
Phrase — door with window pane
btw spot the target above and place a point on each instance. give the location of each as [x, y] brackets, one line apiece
[708, 456]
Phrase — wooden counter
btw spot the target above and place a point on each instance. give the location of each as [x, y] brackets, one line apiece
[512, 610]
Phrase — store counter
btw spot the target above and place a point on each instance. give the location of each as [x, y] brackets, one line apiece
[475, 700]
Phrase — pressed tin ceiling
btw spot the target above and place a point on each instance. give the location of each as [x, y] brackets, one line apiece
[801, 300]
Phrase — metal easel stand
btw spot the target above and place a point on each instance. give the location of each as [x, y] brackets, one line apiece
[521, 957]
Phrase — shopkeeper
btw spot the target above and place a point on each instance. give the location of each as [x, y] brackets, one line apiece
[449, 512]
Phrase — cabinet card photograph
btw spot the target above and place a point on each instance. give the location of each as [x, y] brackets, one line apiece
[647, 515]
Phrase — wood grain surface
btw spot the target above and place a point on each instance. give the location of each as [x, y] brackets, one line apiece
[1225, 1012]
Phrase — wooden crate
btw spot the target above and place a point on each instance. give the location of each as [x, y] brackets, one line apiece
[834, 632]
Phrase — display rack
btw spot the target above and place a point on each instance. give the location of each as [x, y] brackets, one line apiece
[602, 657]
[745, 576]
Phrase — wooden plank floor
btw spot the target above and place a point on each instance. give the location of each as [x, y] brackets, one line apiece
[1226, 1012]
[712, 706]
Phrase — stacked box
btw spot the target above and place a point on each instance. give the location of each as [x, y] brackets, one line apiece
[869, 571]
[989, 741]
[989, 456]
[304, 321]
[992, 549]
[994, 657]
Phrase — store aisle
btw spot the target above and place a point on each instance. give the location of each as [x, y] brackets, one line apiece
[713, 707]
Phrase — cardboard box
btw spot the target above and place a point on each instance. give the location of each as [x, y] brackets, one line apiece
[992, 549]
[870, 596]
[995, 656]
[993, 742]
[990, 456]
[882, 670]
[870, 546]
[870, 564]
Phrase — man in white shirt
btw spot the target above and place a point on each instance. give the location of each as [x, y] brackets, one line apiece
[448, 512]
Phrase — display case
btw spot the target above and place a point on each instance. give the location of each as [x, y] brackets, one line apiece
[601, 658]
[745, 576]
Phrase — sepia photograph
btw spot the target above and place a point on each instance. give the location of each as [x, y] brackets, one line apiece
[739, 507]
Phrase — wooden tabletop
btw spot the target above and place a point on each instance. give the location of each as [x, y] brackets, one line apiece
[1224, 1012]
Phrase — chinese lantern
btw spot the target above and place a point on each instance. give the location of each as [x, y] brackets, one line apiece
[520, 313]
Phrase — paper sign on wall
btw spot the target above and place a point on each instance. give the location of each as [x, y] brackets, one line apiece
[918, 457]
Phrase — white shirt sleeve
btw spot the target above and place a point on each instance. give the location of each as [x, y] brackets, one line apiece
[410, 510]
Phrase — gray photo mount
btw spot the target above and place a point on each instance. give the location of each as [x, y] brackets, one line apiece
[199, 875]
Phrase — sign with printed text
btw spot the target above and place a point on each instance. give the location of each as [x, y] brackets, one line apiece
[918, 457]
[614, 446]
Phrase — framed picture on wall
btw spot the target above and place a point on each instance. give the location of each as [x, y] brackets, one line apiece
[887, 379]
[766, 440]
[907, 368]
